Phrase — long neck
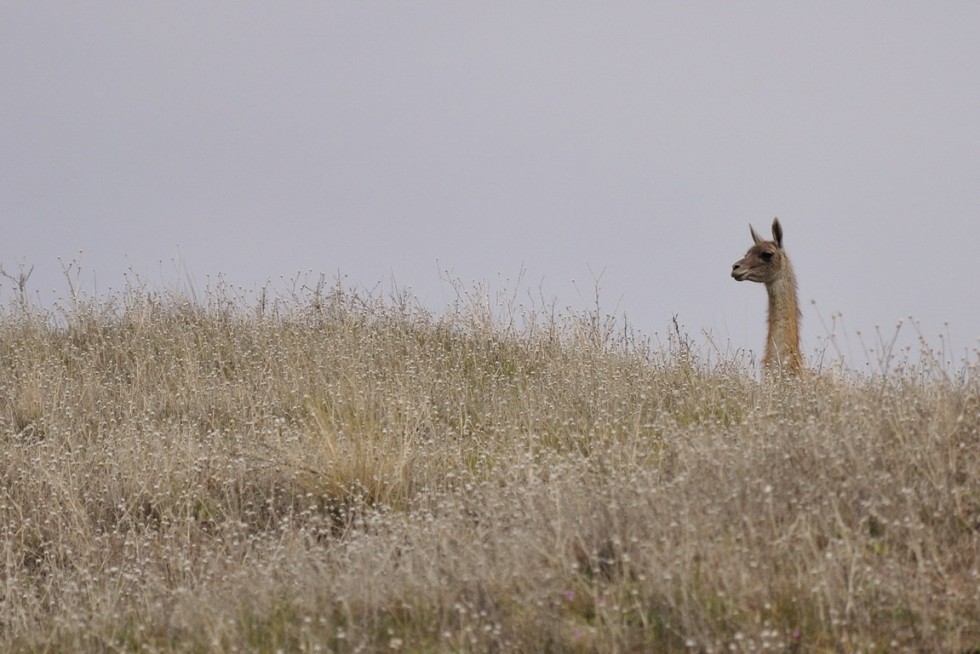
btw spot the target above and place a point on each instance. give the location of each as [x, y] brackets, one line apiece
[783, 342]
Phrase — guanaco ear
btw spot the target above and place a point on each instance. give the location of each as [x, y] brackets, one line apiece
[777, 232]
[755, 237]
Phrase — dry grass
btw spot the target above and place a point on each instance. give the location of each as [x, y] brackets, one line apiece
[339, 473]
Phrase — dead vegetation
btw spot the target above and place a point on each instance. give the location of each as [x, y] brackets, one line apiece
[335, 472]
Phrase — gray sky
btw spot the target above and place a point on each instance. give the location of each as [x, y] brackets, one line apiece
[424, 140]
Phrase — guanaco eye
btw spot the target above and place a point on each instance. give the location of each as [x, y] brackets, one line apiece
[766, 256]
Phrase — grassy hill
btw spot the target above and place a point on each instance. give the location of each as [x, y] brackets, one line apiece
[339, 473]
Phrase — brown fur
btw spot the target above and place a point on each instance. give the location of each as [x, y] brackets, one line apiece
[766, 262]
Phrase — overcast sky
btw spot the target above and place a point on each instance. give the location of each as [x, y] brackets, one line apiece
[417, 141]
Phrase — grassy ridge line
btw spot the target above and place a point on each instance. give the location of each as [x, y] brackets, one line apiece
[342, 473]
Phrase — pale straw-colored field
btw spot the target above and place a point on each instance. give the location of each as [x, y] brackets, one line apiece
[336, 472]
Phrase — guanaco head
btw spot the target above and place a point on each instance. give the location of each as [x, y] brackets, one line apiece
[765, 261]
